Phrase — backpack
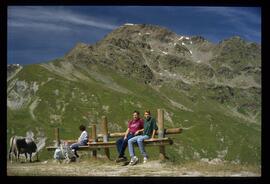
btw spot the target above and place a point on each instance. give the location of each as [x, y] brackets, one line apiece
[64, 152]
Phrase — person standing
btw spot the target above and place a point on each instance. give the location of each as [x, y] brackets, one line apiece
[135, 126]
[149, 131]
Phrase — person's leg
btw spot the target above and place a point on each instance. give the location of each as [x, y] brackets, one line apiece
[124, 145]
[140, 144]
[134, 159]
[119, 143]
[130, 145]
[75, 147]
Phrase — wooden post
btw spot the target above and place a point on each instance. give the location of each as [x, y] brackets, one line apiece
[104, 125]
[57, 139]
[94, 137]
[161, 134]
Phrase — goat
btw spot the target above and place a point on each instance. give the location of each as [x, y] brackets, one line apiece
[19, 145]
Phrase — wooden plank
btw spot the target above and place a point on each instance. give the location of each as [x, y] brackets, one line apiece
[121, 134]
[69, 142]
[118, 134]
[172, 131]
[111, 135]
[112, 144]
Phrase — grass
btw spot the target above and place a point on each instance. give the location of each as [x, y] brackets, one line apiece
[81, 103]
[102, 167]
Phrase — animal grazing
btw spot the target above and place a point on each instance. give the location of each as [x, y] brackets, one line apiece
[20, 145]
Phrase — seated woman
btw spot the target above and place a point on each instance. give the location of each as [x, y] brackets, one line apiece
[82, 140]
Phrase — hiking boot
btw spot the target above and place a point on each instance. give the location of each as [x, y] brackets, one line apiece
[121, 159]
[74, 159]
[144, 160]
[125, 163]
[75, 153]
[134, 160]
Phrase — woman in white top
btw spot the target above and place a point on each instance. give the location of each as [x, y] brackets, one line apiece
[82, 140]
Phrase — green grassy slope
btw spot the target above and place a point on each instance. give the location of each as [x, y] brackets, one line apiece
[66, 101]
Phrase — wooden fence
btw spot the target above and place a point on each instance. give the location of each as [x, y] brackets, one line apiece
[101, 141]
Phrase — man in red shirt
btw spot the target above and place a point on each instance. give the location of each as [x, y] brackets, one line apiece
[135, 126]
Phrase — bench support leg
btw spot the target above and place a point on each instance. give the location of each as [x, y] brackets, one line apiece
[162, 154]
[94, 137]
[104, 125]
[94, 153]
[161, 132]
[107, 153]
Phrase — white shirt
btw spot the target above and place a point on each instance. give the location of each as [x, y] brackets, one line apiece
[83, 137]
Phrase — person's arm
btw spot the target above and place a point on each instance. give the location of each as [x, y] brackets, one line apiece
[141, 126]
[83, 137]
[126, 133]
[138, 131]
[153, 134]
[80, 138]
[155, 128]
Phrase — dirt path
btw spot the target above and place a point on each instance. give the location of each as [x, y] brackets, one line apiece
[110, 168]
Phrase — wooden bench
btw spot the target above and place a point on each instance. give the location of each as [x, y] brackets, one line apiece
[94, 143]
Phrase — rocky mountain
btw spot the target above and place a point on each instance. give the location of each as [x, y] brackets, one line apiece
[12, 70]
[212, 91]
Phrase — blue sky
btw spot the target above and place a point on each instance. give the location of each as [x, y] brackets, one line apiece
[41, 33]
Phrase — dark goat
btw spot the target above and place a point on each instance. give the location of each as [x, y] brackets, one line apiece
[19, 145]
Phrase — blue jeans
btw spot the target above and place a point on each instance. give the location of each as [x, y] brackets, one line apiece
[122, 144]
[139, 139]
[75, 146]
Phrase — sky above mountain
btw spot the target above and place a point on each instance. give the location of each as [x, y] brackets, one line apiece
[42, 33]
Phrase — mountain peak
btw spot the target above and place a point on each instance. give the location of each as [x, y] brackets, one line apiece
[129, 24]
[198, 39]
[141, 32]
[233, 39]
[81, 45]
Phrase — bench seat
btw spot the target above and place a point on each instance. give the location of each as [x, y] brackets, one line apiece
[112, 144]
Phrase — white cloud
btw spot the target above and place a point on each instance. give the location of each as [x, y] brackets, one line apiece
[38, 25]
[52, 18]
